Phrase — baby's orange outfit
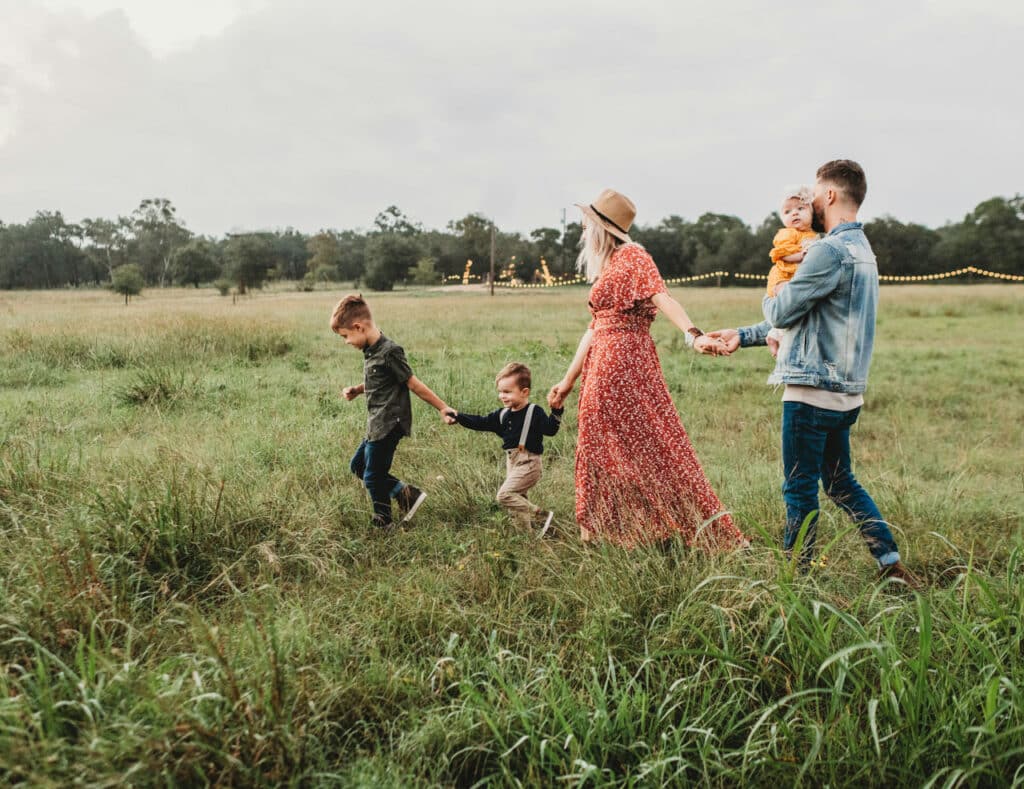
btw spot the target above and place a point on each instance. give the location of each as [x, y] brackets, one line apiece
[788, 241]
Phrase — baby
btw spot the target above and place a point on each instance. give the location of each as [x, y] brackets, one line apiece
[790, 244]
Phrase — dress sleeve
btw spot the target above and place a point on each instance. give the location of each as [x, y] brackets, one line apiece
[644, 278]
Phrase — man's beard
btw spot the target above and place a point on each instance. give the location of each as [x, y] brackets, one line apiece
[817, 221]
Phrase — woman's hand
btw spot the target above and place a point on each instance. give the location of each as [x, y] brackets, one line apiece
[558, 393]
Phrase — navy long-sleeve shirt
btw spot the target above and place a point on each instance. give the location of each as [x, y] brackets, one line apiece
[511, 427]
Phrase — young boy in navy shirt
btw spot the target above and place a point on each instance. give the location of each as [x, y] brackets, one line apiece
[522, 427]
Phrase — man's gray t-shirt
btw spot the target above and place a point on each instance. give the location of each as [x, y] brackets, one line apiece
[386, 375]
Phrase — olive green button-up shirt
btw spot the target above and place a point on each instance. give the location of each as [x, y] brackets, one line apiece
[386, 375]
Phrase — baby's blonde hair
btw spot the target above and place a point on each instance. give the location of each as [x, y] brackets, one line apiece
[801, 192]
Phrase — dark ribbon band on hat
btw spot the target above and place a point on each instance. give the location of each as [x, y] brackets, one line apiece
[609, 221]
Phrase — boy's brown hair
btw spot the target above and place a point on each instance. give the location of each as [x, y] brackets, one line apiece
[848, 176]
[349, 310]
[520, 372]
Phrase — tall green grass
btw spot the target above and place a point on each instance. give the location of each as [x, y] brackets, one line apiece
[190, 593]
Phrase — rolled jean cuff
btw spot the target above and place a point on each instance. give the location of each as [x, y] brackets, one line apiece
[888, 559]
[397, 489]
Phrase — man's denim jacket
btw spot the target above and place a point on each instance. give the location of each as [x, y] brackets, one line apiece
[829, 311]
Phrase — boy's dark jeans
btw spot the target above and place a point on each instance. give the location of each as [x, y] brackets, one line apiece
[816, 445]
[372, 464]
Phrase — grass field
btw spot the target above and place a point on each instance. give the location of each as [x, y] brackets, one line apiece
[190, 593]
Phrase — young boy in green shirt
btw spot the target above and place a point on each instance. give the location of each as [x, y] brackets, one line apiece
[387, 381]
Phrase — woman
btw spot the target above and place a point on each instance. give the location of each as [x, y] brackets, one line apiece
[638, 480]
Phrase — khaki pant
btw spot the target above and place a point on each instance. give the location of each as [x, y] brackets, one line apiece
[523, 471]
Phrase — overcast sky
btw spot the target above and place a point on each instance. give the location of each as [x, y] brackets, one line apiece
[271, 113]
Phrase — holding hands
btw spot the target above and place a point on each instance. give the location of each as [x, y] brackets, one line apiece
[711, 345]
[729, 338]
[558, 393]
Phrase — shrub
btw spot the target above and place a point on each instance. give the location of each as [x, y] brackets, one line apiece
[127, 280]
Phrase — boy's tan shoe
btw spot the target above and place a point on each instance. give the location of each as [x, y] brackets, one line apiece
[547, 519]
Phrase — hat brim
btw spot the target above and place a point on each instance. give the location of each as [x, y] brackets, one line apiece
[592, 215]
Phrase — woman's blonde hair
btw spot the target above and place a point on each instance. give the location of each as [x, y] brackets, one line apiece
[596, 246]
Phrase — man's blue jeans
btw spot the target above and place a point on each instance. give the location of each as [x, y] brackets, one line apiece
[816, 445]
[372, 464]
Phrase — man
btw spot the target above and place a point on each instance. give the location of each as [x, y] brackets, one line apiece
[829, 308]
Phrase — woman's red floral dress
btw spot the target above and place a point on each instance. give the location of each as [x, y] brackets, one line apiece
[638, 480]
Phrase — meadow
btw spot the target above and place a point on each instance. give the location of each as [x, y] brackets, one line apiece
[190, 592]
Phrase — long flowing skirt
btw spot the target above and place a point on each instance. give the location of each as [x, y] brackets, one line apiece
[638, 480]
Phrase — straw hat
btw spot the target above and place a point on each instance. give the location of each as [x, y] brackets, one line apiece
[613, 211]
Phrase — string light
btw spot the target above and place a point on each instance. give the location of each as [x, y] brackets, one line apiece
[576, 280]
[955, 273]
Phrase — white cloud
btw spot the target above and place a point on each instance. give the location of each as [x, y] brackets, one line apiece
[317, 114]
[163, 26]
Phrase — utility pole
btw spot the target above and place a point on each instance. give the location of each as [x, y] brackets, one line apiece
[562, 261]
[492, 258]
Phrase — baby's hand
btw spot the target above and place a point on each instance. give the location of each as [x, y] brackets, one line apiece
[448, 415]
[773, 346]
[350, 392]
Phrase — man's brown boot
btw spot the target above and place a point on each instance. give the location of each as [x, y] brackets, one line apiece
[899, 572]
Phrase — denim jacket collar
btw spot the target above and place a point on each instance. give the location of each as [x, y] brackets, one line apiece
[844, 227]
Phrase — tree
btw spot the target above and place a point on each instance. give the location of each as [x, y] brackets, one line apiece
[722, 242]
[990, 237]
[324, 256]
[291, 254]
[106, 242]
[670, 243]
[473, 233]
[758, 260]
[392, 220]
[352, 251]
[156, 234]
[447, 252]
[196, 262]
[42, 253]
[247, 257]
[425, 272]
[906, 249]
[547, 244]
[389, 257]
[127, 280]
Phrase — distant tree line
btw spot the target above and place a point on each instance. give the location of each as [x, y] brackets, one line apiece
[49, 252]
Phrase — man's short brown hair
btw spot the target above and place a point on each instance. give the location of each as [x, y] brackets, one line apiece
[847, 176]
[520, 372]
[349, 310]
